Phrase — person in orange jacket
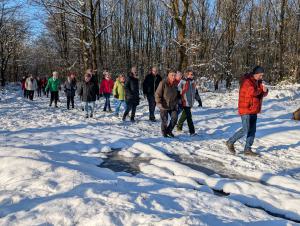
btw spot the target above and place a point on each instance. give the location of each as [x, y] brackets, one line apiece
[252, 92]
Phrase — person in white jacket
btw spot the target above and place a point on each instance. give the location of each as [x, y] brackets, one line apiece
[31, 86]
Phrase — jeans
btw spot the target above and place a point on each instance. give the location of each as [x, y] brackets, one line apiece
[39, 92]
[248, 129]
[152, 105]
[165, 127]
[89, 107]
[186, 115]
[120, 103]
[107, 102]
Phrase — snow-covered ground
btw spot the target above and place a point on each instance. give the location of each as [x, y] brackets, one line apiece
[50, 174]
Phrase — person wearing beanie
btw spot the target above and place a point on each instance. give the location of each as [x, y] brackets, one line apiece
[251, 94]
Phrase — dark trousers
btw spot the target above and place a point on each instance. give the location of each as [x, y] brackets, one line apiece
[30, 94]
[25, 93]
[130, 107]
[152, 104]
[165, 127]
[198, 98]
[39, 92]
[248, 129]
[107, 102]
[54, 97]
[186, 115]
[70, 100]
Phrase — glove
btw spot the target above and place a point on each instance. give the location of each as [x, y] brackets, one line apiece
[116, 96]
[101, 95]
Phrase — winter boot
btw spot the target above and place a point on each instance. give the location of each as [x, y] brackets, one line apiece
[179, 129]
[170, 134]
[249, 152]
[230, 147]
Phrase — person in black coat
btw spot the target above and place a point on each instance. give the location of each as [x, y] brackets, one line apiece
[131, 94]
[88, 93]
[150, 85]
[198, 98]
[70, 88]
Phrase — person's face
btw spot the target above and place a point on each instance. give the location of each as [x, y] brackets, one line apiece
[190, 75]
[55, 75]
[134, 70]
[171, 77]
[122, 79]
[178, 76]
[72, 76]
[89, 71]
[258, 76]
[107, 76]
[154, 71]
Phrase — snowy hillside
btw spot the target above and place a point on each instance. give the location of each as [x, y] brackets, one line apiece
[50, 158]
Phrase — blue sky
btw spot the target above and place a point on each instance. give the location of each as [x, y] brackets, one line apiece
[35, 17]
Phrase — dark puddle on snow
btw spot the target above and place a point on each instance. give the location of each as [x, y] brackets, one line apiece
[119, 163]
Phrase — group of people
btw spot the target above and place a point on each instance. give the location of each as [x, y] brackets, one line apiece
[174, 95]
[31, 84]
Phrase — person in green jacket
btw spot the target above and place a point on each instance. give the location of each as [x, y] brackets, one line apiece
[119, 93]
[53, 86]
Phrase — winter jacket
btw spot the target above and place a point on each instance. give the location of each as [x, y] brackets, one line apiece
[70, 87]
[39, 83]
[31, 84]
[132, 90]
[151, 83]
[166, 96]
[250, 96]
[88, 91]
[106, 86]
[44, 83]
[119, 90]
[187, 89]
[53, 84]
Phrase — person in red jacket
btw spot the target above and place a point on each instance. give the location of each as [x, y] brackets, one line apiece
[252, 92]
[106, 88]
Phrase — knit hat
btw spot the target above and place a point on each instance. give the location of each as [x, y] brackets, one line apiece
[258, 70]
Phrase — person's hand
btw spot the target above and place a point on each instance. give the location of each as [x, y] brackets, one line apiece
[265, 89]
[115, 96]
[101, 95]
